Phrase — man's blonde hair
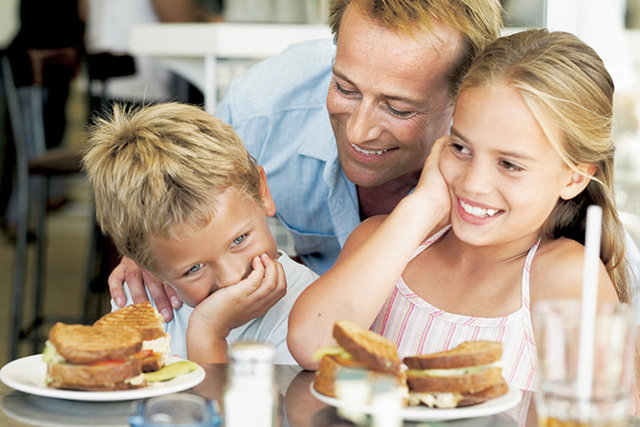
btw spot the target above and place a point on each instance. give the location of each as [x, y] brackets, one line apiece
[478, 21]
[158, 168]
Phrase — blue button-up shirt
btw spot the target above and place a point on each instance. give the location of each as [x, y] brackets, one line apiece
[278, 110]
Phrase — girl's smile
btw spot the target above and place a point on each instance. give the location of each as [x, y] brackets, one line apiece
[477, 210]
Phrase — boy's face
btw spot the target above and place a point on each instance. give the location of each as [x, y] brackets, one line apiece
[218, 255]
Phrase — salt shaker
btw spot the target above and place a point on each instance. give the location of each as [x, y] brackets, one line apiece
[250, 397]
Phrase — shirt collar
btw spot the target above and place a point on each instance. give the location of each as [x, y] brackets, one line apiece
[322, 145]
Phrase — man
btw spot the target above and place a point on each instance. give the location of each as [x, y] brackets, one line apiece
[343, 131]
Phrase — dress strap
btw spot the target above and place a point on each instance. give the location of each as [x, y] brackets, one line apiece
[526, 272]
[526, 314]
[430, 240]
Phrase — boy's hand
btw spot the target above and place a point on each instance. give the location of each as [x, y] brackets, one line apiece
[164, 296]
[235, 305]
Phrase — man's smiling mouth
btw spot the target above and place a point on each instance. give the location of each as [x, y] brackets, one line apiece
[369, 152]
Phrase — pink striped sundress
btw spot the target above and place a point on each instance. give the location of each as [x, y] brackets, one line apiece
[418, 327]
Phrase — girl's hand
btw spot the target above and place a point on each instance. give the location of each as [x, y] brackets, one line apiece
[235, 305]
[432, 189]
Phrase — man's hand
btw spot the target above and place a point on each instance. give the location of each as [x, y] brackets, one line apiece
[163, 295]
[235, 305]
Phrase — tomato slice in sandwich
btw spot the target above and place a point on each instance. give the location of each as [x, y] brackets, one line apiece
[143, 354]
[108, 362]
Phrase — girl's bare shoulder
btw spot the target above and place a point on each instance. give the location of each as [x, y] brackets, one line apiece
[556, 270]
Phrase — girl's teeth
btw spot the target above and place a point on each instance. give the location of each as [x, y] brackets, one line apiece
[369, 152]
[477, 211]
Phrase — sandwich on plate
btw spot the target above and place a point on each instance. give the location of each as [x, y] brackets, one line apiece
[148, 322]
[361, 349]
[81, 357]
[466, 375]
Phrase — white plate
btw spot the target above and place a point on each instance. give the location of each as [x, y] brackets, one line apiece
[28, 374]
[424, 413]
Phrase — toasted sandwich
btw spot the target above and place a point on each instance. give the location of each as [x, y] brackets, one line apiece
[359, 348]
[148, 322]
[145, 319]
[81, 357]
[466, 375]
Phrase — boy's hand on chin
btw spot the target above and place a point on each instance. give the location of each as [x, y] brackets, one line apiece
[252, 297]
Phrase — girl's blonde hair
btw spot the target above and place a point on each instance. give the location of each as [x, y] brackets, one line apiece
[570, 93]
[479, 22]
[158, 169]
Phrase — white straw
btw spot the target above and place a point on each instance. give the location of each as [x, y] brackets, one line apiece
[589, 303]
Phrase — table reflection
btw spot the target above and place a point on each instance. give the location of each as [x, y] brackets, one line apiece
[298, 407]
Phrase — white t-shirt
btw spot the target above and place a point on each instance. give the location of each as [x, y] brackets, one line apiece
[271, 328]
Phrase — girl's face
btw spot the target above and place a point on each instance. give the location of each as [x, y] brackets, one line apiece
[504, 176]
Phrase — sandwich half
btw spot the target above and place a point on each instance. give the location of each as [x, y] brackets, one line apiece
[144, 318]
[466, 375]
[81, 357]
[359, 348]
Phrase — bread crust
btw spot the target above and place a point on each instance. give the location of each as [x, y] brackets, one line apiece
[467, 353]
[151, 363]
[325, 378]
[469, 383]
[94, 377]
[81, 344]
[142, 317]
[469, 399]
[373, 350]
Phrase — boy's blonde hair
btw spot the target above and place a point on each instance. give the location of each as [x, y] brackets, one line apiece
[478, 21]
[159, 168]
[570, 93]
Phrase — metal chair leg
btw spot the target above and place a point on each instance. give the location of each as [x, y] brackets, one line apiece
[91, 264]
[20, 260]
[22, 199]
[40, 199]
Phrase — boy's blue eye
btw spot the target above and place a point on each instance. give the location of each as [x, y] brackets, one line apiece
[238, 240]
[195, 269]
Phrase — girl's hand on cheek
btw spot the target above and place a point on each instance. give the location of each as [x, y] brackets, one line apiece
[432, 188]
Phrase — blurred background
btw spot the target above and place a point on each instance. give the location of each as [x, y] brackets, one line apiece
[105, 65]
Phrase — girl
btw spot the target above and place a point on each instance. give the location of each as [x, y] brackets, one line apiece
[530, 148]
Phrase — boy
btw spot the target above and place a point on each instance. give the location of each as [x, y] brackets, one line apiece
[177, 192]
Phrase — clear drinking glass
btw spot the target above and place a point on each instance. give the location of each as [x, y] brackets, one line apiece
[556, 325]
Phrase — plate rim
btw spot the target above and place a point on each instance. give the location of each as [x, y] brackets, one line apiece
[192, 379]
[423, 413]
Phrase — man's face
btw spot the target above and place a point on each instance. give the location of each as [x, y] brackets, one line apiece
[389, 97]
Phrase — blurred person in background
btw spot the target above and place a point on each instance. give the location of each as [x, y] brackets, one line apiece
[46, 50]
[115, 75]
